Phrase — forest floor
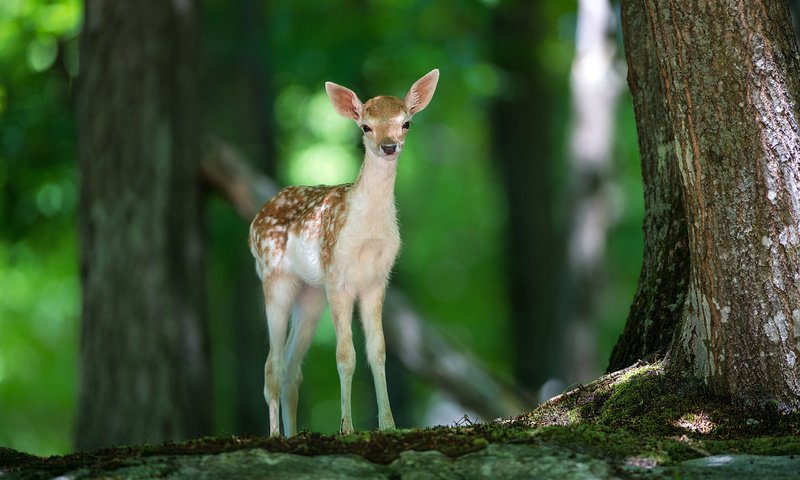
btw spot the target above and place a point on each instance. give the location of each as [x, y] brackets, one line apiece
[635, 423]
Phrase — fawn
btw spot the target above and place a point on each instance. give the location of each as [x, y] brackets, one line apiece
[338, 242]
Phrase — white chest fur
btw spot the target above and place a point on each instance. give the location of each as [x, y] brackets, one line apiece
[367, 245]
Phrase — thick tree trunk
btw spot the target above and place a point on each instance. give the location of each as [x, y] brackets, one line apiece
[730, 76]
[523, 141]
[144, 366]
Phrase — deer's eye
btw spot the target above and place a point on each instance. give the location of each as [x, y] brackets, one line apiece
[365, 128]
[406, 125]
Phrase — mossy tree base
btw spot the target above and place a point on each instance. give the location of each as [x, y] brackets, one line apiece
[634, 422]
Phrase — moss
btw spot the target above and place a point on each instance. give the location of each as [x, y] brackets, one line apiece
[645, 412]
[618, 445]
[13, 458]
[638, 416]
[646, 402]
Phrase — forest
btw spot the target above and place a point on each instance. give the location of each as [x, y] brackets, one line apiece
[263, 66]
[565, 208]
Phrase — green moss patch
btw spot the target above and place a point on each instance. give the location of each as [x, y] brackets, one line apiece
[641, 416]
[644, 411]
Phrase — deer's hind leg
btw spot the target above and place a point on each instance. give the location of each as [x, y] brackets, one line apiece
[308, 309]
[279, 294]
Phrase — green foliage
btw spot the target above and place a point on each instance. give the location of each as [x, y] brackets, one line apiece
[39, 297]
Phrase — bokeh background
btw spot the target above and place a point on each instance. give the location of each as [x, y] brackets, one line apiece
[459, 194]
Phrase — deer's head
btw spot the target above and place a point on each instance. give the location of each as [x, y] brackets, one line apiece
[384, 120]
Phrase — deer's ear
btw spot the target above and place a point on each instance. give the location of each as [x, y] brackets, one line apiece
[344, 100]
[421, 92]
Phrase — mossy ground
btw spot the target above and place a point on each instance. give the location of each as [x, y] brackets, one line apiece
[644, 414]
[638, 416]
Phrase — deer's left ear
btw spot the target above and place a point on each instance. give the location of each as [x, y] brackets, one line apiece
[421, 92]
[344, 100]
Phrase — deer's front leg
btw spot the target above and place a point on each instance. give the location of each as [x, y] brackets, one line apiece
[371, 308]
[341, 304]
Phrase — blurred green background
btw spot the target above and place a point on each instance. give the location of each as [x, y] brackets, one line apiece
[264, 66]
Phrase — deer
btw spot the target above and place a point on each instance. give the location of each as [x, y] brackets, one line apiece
[337, 243]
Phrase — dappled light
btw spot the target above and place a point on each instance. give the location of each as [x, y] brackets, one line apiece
[698, 422]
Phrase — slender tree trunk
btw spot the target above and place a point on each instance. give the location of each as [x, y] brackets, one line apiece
[523, 143]
[144, 366]
[730, 80]
[249, 323]
[595, 84]
[254, 35]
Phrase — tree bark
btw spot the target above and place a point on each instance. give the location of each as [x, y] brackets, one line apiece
[729, 72]
[144, 363]
[663, 282]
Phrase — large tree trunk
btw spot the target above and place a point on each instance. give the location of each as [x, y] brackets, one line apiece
[144, 366]
[730, 80]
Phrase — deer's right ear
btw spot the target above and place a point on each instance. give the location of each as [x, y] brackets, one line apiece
[344, 100]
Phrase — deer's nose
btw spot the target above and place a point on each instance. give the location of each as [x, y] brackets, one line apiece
[389, 148]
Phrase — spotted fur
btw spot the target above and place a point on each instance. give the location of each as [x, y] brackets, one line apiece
[316, 213]
[338, 242]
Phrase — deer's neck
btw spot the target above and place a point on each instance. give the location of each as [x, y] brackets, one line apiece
[373, 193]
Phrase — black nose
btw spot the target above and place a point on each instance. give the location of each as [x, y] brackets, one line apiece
[389, 148]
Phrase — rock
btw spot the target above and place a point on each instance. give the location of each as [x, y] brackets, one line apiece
[496, 461]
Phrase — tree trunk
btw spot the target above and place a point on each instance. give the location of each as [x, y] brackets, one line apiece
[249, 331]
[144, 363]
[523, 141]
[595, 84]
[657, 305]
[729, 72]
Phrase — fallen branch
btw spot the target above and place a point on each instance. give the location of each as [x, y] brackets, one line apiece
[421, 347]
